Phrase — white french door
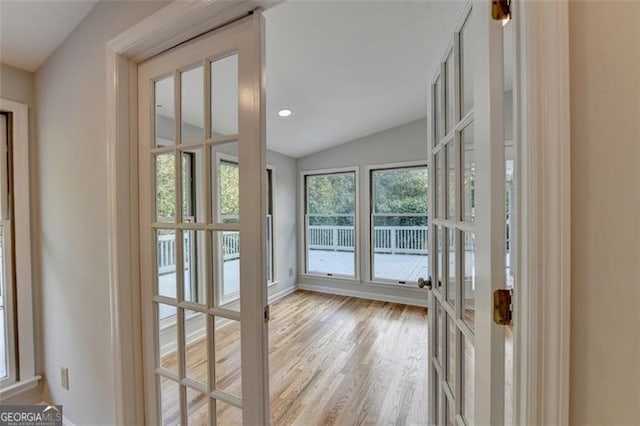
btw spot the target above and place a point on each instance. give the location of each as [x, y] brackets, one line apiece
[467, 227]
[202, 230]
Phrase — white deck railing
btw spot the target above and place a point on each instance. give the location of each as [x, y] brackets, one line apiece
[166, 250]
[386, 239]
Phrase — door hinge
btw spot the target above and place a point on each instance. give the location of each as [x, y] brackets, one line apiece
[267, 313]
[501, 10]
[502, 307]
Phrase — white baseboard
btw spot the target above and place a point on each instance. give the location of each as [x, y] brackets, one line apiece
[363, 294]
[282, 293]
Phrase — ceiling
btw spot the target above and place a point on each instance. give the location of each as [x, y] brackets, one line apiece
[349, 69]
[31, 30]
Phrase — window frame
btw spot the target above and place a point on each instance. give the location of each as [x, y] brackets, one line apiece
[369, 199]
[221, 156]
[303, 223]
[8, 281]
[25, 377]
[271, 207]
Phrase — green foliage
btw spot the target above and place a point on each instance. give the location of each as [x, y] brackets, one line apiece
[400, 191]
[329, 195]
[229, 184]
[165, 186]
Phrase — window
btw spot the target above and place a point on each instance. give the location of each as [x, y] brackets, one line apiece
[270, 242]
[399, 232]
[227, 243]
[7, 279]
[230, 212]
[17, 351]
[330, 223]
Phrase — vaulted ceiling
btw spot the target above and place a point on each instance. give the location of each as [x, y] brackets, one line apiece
[346, 69]
[31, 30]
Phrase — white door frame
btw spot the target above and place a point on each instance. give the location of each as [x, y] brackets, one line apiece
[543, 298]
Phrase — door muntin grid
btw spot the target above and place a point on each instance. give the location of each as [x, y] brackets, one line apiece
[190, 351]
[453, 336]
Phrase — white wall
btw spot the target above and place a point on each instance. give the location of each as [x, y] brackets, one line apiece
[72, 177]
[605, 174]
[399, 144]
[19, 86]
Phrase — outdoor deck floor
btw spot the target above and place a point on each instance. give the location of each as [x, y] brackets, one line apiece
[397, 267]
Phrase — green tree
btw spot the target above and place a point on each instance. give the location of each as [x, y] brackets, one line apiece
[400, 192]
[165, 186]
[229, 184]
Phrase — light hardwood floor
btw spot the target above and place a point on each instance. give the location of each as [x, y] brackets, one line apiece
[346, 361]
[334, 360]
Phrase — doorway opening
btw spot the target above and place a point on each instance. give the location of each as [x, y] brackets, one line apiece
[348, 223]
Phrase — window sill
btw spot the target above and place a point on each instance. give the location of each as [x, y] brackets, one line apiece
[410, 285]
[19, 388]
[272, 283]
[332, 278]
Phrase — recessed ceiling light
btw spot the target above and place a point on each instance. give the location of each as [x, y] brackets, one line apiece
[285, 112]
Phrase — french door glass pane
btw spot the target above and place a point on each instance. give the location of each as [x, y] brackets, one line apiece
[451, 180]
[192, 185]
[439, 184]
[169, 401]
[399, 225]
[164, 117]
[510, 229]
[451, 257]
[227, 177]
[165, 182]
[197, 408]
[196, 360]
[466, 68]
[192, 109]
[226, 252]
[437, 395]
[167, 329]
[451, 349]
[450, 94]
[224, 96]
[437, 110]
[330, 228]
[194, 266]
[228, 370]
[439, 325]
[439, 257]
[468, 380]
[469, 177]
[228, 414]
[166, 279]
[469, 283]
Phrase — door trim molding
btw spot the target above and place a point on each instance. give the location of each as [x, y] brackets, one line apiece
[542, 324]
[176, 23]
[543, 299]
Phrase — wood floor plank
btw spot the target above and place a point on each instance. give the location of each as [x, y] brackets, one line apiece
[334, 360]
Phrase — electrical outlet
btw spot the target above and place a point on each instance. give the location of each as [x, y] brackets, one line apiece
[290, 272]
[64, 377]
